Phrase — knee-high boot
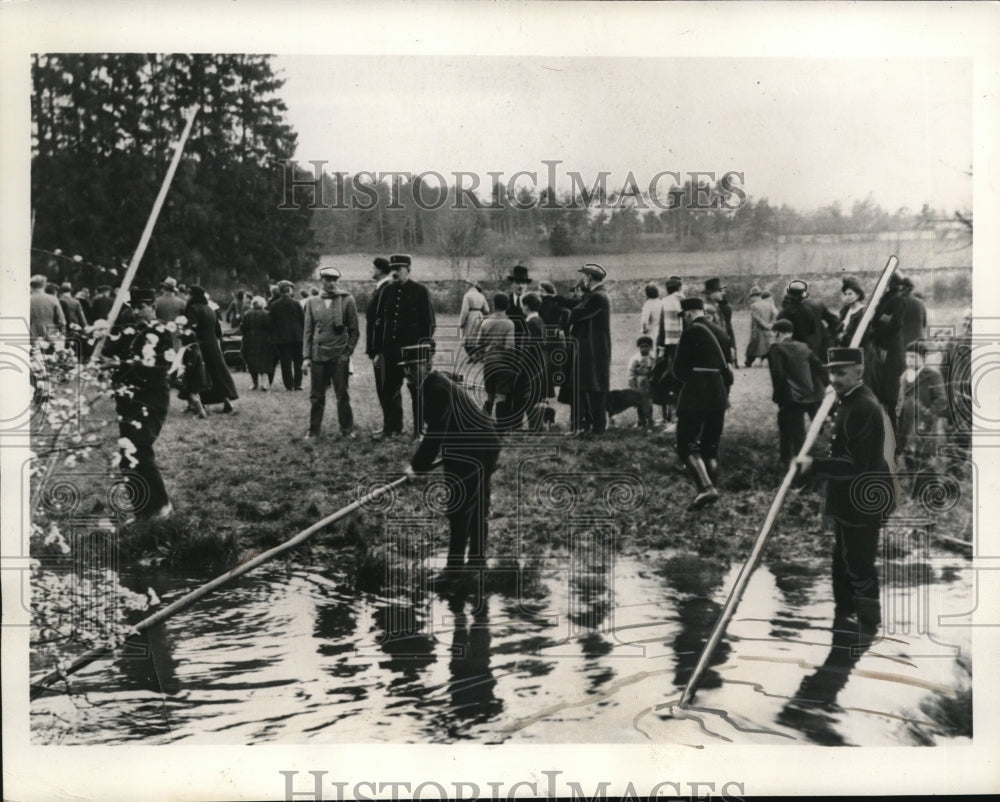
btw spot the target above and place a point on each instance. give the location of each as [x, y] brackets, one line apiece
[707, 494]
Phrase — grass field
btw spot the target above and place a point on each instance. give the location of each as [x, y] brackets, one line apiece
[247, 482]
[786, 259]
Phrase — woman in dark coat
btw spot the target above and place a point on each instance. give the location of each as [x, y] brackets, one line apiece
[205, 323]
[851, 312]
[258, 347]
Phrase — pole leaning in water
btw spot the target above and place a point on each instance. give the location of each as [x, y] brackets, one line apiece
[39, 687]
[736, 594]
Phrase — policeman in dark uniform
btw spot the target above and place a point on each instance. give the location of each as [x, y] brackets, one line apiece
[392, 410]
[861, 488]
[465, 437]
[138, 344]
[700, 364]
[408, 320]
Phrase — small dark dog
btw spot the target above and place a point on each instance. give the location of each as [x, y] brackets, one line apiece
[542, 418]
[620, 400]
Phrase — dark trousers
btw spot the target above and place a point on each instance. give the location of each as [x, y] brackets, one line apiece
[468, 521]
[335, 372]
[791, 429]
[392, 409]
[596, 402]
[392, 392]
[290, 357]
[699, 431]
[147, 492]
[855, 578]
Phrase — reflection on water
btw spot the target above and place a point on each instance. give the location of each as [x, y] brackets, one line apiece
[292, 654]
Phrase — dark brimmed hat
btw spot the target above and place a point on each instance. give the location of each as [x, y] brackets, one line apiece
[519, 273]
[896, 279]
[381, 263]
[714, 285]
[197, 293]
[594, 269]
[141, 296]
[797, 288]
[851, 283]
[400, 260]
[837, 357]
[412, 354]
[674, 283]
[783, 325]
[907, 283]
[329, 272]
[689, 304]
[644, 340]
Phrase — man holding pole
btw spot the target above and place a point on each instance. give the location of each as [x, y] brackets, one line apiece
[469, 445]
[861, 489]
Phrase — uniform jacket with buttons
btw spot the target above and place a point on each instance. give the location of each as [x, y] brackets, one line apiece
[860, 489]
[409, 316]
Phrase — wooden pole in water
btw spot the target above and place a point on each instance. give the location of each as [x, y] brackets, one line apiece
[38, 688]
[736, 594]
[147, 232]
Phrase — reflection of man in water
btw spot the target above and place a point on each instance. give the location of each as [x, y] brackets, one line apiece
[472, 683]
[860, 487]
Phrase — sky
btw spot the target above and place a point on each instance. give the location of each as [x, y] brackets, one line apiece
[806, 132]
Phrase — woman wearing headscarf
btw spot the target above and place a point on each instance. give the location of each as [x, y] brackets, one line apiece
[851, 311]
[208, 331]
[257, 349]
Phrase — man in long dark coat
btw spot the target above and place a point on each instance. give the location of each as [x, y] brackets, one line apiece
[715, 294]
[456, 428]
[288, 322]
[812, 323]
[914, 314]
[516, 405]
[392, 407]
[590, 322]
[885, 352]
[861, 488]
[408, 320]
[700, 364]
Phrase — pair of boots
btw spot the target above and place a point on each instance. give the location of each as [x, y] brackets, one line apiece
[705, 473]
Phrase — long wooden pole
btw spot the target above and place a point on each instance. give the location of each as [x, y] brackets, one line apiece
[147, 232]
[736, 594]
[38, 688]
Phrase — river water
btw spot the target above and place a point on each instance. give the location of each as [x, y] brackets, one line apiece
[294, 654]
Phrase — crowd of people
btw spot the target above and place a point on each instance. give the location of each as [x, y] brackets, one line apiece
[533, 349]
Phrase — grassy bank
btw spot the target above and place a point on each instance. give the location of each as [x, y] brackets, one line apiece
[244, 483]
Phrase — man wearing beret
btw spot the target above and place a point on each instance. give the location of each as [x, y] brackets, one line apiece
[456, 428]
[861, 488]
[288, 321]
[408, 320]
[590, 324]
[702, 367]
[392, 408]
[139, 345]
[331, 333]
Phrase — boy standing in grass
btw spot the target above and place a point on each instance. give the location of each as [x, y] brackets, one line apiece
[640, 371]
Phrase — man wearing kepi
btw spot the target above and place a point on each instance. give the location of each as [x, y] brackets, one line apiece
[701, 365]
[591, 322]
[331, 332]
[861, 490]
[464, 436]
[408, 320]
[140, 346]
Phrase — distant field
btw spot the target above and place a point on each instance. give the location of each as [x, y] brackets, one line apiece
[786, 259]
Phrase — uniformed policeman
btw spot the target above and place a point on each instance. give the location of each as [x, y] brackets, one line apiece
[861, 488]
[701, 365]
[465, 437]
[408, 320]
